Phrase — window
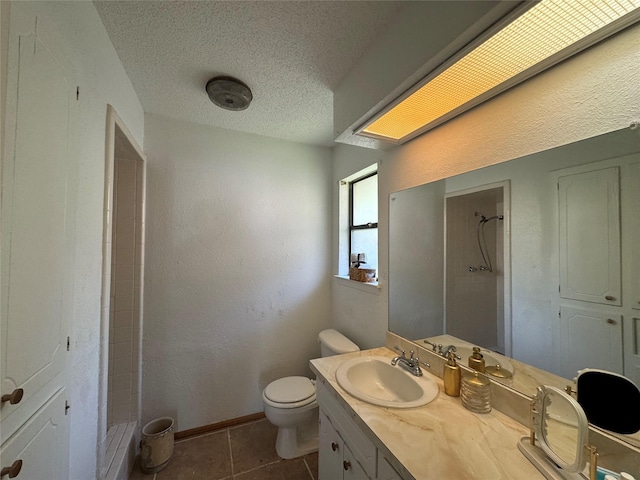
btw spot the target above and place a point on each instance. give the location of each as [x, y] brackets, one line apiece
[363, 221]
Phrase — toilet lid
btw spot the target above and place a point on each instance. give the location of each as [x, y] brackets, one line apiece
[290, 390]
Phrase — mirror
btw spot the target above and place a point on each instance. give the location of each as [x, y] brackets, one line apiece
[560, 428]
[535, 306]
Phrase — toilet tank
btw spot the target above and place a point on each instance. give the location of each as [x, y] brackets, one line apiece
[333, 342]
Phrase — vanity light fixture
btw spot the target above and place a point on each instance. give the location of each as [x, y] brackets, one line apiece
[516, 49]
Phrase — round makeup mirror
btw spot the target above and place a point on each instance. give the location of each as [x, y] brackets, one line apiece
[562, 428]
[559, 427]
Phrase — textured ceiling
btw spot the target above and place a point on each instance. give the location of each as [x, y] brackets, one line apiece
[291, 54]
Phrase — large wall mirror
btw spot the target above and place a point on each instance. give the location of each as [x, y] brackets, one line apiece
[536, 259]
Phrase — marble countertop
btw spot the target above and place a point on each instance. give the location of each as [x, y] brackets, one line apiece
[442, 440]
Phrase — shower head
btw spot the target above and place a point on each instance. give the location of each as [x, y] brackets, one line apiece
[484, 219]
[479, 214]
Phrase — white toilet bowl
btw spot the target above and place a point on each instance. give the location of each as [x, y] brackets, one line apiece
[290, 404]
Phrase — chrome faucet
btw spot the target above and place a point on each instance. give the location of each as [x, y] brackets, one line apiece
[442, 351]
[445, 351]
[436, 347]
[411, 364]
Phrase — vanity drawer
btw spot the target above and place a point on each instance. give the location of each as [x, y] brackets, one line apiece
[363, 449]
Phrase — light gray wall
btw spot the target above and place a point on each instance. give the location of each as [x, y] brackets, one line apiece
[237, 268]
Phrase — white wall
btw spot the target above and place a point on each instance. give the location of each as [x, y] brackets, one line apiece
[238, 259]
[102, 80]
[593, 93]
[359, 312]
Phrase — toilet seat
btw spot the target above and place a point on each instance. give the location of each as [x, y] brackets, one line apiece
[290, 392]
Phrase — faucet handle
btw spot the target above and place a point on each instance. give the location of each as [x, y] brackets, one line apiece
[398, 349]
[434, 346]
[417, 362]
[420, 362]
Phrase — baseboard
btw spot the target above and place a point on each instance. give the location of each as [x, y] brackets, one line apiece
[192, 432]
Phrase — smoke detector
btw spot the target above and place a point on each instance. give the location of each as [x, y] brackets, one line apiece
[229, 93]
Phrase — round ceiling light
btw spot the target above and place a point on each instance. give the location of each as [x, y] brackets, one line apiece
[229, 93]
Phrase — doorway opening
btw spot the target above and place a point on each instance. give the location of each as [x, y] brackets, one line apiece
[121, 303]
[477, 266]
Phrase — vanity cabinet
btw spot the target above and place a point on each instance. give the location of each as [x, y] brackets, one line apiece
[336, 461]
[345, 451]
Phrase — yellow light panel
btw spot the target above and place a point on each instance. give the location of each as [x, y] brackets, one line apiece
[542, 31]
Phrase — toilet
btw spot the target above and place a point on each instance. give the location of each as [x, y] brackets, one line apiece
[290, 402]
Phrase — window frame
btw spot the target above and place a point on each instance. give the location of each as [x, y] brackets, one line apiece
[365, 226]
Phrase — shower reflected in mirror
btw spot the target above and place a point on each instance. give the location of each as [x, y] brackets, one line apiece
[475, 266]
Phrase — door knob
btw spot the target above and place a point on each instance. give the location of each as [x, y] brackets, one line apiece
[334, 446]
[13, 397]
[346, 465]
[13, 471]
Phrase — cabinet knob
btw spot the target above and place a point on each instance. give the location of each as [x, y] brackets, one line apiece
[13, 397]
[13, 471]
[346, 465]
[334, 446]
[611, 298]
[611, 321]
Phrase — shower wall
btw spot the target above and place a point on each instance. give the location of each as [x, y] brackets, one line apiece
[125, 311]
[474, 298]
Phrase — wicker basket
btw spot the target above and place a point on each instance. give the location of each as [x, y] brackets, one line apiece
[365, 275]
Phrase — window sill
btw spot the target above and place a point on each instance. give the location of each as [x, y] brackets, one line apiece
[344, 280]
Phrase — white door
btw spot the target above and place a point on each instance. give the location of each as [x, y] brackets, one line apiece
[589, 215]
[634, 234]
[590, 339]
[34, 445]
[36, 238]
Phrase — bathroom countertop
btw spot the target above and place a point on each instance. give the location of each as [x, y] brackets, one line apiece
[442, 440]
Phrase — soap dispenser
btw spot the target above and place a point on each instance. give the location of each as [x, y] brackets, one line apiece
[476, 360]
[452, 376]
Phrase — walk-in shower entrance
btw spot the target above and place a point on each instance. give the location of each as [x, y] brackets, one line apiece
[476, 267]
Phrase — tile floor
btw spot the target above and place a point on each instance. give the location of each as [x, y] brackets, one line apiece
[244, 452]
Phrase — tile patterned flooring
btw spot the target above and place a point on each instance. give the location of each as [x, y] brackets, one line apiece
[244, 452]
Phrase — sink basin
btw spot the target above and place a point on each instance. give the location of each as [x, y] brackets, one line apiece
[374, 380]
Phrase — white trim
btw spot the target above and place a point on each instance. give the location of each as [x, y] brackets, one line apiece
[113, 120]
[373, 287]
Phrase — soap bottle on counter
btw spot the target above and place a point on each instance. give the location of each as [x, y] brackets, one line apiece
[452, 376]
[476, 360]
